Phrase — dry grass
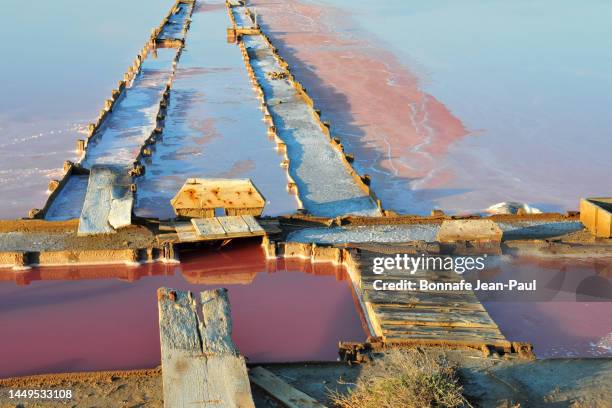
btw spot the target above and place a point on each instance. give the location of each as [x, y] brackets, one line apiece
[410, 379]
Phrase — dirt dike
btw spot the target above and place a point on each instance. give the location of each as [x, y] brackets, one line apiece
[487, 382]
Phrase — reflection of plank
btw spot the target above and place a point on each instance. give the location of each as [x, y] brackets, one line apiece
[280, 390]
[208, 228]
[234, 226]
[200, 364]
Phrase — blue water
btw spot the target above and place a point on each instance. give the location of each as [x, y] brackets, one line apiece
[530, 80]
[60, 60]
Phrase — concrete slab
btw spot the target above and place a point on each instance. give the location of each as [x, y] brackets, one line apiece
[108, 201]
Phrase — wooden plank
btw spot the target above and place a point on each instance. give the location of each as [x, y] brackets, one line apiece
[208, 228]
[234, 226]
[218, 193]
[413, 297]
[431, 277]
[450, 319]
[281, 391]
[422, 274]
[186, 232]
[253, 225]
[417, 317]
[200, 364]
[472, 230]
[442, 332]
[443, 306]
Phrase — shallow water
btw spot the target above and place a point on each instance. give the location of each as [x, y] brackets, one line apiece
[435, 120]
[133, 118]
[97, 318]
[569, 315]
[64, 63]
[461, 105]
[214, 127]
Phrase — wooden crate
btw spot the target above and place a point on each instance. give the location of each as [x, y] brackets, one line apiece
[596, 215]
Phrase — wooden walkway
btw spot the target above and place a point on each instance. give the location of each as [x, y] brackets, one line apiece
[218, 228]
[201, 367]
[416, 317]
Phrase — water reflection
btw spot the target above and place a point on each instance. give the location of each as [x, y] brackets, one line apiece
[560, 279]
[570, 315]
[105, 317]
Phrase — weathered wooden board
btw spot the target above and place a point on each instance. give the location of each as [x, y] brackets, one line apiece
[438, 317]
[253, 225]
[463, 307]
[231, 226]
[430, 276]
[477, 342]
[442, 332]
[108, 201]
[186, 232]
[469, 230]
[234, 226]
[210, 194]
[442, 318]
[281, 391]
[200, 364]
[413, 297]
[209, 228]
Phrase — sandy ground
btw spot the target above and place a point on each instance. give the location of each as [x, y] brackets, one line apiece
[139, 388]
[488, 382]
[143, 388]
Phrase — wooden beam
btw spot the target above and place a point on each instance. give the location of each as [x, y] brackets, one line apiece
[281, 391]
[208, 228]
[201, 366]
[234, 226]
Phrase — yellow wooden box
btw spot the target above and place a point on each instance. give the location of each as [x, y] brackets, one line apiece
[596, 215]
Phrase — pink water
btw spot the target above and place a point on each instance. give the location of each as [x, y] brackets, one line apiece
[570, 313]
[459, 106]
[58, 68]
[97, 318]
[396, 130]
[70, 319]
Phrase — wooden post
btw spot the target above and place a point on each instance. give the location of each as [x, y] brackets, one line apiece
[200, 364]
[80, 146]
